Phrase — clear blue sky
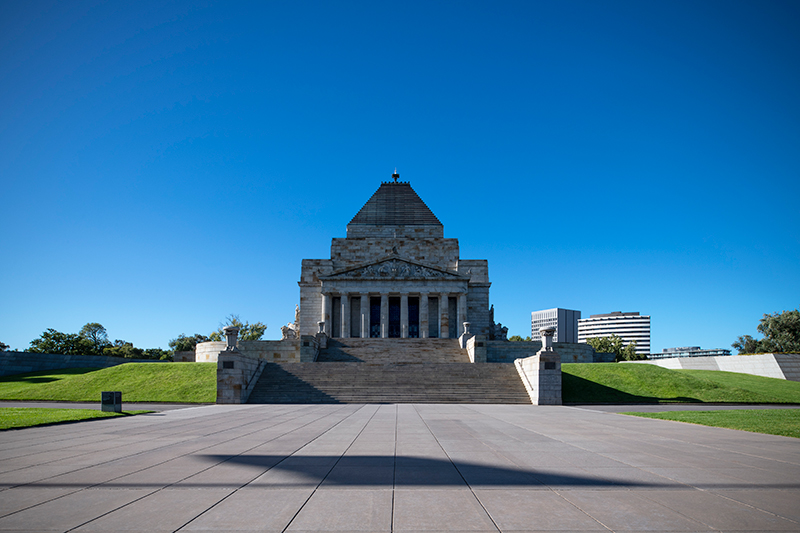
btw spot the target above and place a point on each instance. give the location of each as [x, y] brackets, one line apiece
[165, 164]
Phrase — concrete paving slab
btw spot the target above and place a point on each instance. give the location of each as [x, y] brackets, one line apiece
[345, 510]
[522, 510]
[71, 511]
[164, 510]
[629, 511]
[439, 510]
[252, 509]
[719, 513]
[425, 467]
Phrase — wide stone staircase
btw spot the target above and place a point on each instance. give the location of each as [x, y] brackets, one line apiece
[390, 371]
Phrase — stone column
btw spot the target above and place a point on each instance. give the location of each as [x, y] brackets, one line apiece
[462, 312]
[326, 312]
[384, 315]
[364, 315]
[345, 323]
[444, 320]
[423, 315]
[404, 315]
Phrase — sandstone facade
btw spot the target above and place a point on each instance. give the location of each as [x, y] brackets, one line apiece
[395, 275]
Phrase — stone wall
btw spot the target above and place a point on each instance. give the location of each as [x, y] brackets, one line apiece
[475, 346]
[22, 362]
[541, 375]
[781, 366]
[287, 351]
[439, 252]
[508, 351]
[237, 374]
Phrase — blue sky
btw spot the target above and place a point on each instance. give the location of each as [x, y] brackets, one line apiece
[165, 164]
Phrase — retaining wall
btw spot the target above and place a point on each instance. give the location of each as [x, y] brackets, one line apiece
[287, 351]
[22, 362]
[508, 351]
[781, 366]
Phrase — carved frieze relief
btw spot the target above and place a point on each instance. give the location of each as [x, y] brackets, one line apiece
[393, 269]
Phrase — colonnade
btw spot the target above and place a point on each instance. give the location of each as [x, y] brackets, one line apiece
[439, 317]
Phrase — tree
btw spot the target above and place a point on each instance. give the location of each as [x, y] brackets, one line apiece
[187, 344]
[781, 335]
[517, 338]
[4, 347]
[614, 344]
[247, 331]
[97, 335]
[52, 341]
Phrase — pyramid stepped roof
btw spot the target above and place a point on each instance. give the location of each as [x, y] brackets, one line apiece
[395, 204]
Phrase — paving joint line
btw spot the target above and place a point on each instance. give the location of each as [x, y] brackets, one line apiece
[363, 406]
[488, 515]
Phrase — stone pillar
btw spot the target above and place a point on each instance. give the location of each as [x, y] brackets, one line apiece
[327, 303]
[444, 319]
[345, 312]
[541, 373]
[364, 315]
[231, 337]
[384, 315]
[404, 315]
[462, 312]
[423, 315]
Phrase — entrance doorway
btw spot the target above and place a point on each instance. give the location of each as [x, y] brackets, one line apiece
[375, 317]
[394, 317]
[413, 318]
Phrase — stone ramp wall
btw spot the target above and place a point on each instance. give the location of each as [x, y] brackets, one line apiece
[781, 366]
[509, 351]
[23, 362]
[287, 351]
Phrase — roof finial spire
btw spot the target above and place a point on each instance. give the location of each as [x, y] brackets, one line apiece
[395, 176]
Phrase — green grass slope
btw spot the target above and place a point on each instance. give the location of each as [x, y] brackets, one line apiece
[784, 422]
[139, 382]
[25, 417]
[641, 383]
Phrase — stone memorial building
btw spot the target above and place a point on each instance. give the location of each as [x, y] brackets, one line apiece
[394, 315]
[395, 275]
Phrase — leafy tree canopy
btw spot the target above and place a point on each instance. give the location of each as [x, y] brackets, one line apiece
[92, 340]
[615, 345]
[781, 333]
[187, 344]
[517, 338]
[4, 347]
[96, 334]
[247, 331]
[52, 341]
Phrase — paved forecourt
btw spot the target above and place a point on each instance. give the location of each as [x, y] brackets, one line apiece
[395, 468]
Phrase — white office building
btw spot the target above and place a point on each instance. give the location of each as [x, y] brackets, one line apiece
[564, 320]
[627, 326]
[689, 351]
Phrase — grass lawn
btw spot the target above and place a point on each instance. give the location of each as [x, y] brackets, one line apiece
[25, 417]
[784, 422]
[139, 382]
[642, 383]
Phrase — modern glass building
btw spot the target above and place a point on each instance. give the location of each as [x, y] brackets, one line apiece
[688, 351]
[564, 320]
[628, 326]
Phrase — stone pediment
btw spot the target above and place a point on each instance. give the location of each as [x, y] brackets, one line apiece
[393, 268]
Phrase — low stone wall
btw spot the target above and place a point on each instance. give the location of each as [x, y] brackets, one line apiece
[287, 351]
[541, 375]
[22, 362]
[509, 351]
[781, 366]
[237, 374]
[476, 347]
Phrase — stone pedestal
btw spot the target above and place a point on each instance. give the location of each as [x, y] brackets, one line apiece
[236, 376]
[541, 373]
